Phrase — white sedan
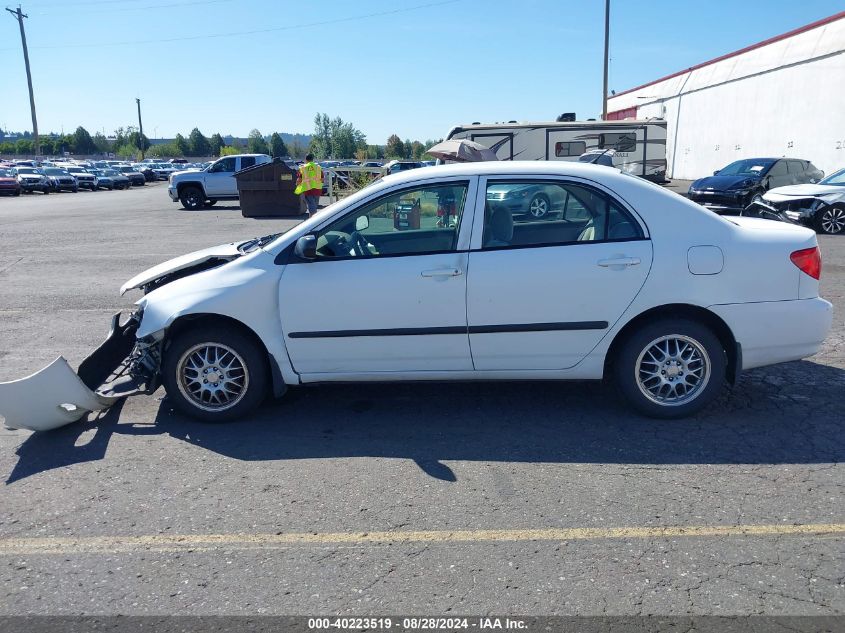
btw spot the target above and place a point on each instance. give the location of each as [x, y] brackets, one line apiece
[437, 274]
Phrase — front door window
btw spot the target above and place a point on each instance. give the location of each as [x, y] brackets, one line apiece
[412, 222]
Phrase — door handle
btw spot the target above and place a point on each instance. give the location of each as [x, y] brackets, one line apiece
[614, 262]
[442, 272]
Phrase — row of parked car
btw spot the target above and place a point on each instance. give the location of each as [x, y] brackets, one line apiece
[787, 189]
[52, 176]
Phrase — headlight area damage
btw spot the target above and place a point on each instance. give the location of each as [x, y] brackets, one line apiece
[122, 366]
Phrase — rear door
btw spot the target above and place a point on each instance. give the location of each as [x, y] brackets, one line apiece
[542, 292]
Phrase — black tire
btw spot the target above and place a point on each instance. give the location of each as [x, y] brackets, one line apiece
[637, 359]
[247, 352]
[192, 198]
[16, 194]
[539, 206]
[757, 196]
[830, 220]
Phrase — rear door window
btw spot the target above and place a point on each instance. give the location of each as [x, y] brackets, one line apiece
[525, 213]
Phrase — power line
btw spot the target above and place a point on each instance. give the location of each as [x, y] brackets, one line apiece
[74, 8]
[253, 32]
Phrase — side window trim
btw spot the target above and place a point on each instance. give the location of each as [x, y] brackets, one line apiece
[485, 181]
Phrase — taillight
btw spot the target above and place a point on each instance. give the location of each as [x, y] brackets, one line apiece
[809, 260]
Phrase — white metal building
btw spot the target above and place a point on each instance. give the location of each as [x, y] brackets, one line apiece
[784, 96]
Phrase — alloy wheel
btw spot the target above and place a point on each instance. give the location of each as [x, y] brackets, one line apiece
[212, 376]
[833, 220]
[538, 207]
[672, 370]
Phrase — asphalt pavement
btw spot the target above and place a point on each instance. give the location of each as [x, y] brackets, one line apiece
[521, 498]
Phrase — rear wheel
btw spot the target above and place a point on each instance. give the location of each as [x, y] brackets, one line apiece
[539, 206]
[192, 198]
[215, 374]
[831, 221]
[671, 368]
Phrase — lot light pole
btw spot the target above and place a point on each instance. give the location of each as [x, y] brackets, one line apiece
[19, 16]
[140, 129]
[606, 49]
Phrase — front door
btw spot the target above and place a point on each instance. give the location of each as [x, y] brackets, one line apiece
[220, 178]
[387, 291]
[544, 291]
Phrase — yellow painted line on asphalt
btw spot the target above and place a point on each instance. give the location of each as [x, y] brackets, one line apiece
[206, 542]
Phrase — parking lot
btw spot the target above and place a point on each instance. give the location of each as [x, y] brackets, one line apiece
[538, 498]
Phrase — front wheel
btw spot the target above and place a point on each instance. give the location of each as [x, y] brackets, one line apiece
[671, 368]
[192, 198]
[831, 221]
[215, 374]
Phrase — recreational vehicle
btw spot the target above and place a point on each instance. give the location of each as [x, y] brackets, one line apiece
[639, 146]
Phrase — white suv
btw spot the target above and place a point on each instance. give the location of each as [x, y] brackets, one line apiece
[197, 189]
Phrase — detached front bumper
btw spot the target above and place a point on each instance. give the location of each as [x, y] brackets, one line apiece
[56, 395]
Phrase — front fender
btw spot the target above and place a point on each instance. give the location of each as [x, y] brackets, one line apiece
[245, 290]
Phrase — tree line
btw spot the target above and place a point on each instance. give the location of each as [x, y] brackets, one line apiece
[336, 138]
[333, 138]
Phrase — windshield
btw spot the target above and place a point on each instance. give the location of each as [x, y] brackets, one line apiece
[55, 171]
[27, 170]
[110, 172]
[836, 178]
[750, 167]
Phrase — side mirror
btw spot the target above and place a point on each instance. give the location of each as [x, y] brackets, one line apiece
[306, 247]
[362, 223]
[716, 173]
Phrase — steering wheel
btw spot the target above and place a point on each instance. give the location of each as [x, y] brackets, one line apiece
[359, 244]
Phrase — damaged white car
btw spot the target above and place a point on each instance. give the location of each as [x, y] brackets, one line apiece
[820, 206]
[433, 274]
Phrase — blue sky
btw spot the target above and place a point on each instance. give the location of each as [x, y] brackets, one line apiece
[415, 67]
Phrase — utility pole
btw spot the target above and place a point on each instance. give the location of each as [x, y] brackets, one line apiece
[19, 17]
[606, 50]
[140, 129]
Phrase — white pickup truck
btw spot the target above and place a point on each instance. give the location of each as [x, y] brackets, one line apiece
[196, 189]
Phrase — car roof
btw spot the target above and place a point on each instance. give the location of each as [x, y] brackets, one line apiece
[509, 168]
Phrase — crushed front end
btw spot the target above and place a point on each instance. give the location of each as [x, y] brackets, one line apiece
[55, 396]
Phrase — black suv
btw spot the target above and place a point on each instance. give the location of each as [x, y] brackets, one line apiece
[745, 181]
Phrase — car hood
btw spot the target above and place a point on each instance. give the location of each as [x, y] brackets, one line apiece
[802, 191]
[224, 252]
[722, 183]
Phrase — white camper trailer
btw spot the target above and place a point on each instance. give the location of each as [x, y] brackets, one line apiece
[640, 146]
